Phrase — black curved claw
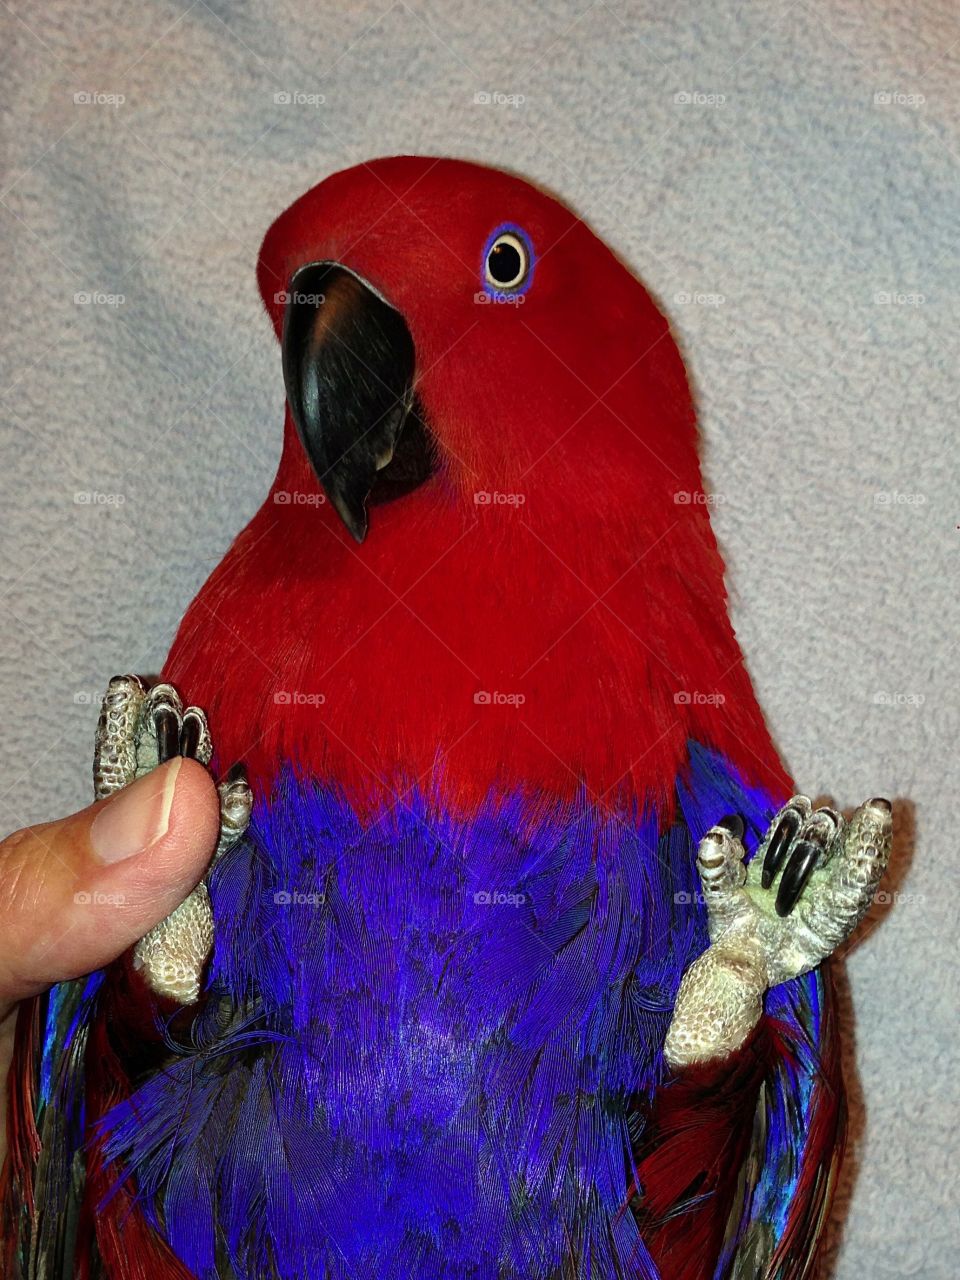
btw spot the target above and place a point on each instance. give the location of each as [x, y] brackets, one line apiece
[190, 736]
[236, 773]
[794, 879]
[785, 833]
[167, 728]
[734, 824]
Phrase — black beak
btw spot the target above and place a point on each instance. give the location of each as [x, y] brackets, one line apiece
[348, 366]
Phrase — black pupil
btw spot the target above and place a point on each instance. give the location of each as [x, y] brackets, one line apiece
[504, 263]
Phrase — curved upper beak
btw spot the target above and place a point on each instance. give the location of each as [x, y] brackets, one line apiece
[348, 367]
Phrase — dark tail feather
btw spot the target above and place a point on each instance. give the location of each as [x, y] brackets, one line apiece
[57, 1220]
[822, 1154]
[797, 1145]
[691, 1165]
[741, 1158]
[44, 1172]
[23, 1140]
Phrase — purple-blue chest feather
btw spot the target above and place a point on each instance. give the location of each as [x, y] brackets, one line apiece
[428, 1042]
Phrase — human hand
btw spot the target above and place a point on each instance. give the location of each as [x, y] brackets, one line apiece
[77, 892]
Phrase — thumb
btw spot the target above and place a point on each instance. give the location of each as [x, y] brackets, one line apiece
[75, 894]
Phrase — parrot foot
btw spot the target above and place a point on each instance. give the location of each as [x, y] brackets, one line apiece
[140, 728]
[809, 885]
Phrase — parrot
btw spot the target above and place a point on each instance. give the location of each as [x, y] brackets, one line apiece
[512, 962]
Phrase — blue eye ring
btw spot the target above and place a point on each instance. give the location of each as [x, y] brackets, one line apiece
[507, 264]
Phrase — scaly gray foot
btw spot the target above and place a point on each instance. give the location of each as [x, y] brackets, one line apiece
[140, 728]
[808, 887]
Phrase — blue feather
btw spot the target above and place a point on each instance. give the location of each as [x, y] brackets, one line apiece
[425, 1038]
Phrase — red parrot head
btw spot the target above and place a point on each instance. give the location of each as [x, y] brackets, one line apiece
[440, 317]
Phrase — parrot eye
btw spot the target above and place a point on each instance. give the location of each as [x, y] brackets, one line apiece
[507, 262]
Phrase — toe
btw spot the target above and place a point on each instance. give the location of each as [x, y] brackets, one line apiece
[797, 872]
[166, 727]
[734, 824]
[786, 829]
[195, 740]
[160, 718]
[815, 844]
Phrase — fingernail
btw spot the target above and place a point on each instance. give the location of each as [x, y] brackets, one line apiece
[136, 817]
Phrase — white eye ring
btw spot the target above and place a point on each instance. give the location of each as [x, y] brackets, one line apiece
[510, 250]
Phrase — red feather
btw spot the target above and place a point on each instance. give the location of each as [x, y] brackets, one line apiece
[594, 593]
[700, 1134]
[23, 1140]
